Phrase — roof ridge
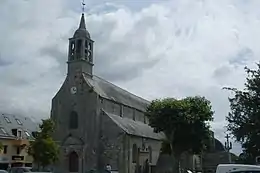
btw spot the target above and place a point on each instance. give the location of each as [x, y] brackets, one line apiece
[122, 88]
[15, 115]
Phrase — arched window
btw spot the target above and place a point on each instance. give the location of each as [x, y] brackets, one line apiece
[78, 48]
[150, 154]
[73, 162]
[134, 153]
[73, 120]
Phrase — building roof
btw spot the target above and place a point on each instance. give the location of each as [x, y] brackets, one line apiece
[135, 128]
[213, 159]
[9, 122]
[112, 92]
[219, 146]
[81, 31]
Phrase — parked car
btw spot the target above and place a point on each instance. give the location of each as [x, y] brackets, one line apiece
[20, 169]
[237, 168]
[3, 171]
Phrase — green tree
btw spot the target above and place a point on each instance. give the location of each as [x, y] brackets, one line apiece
[185, 123]
[244, 158]
[244, 117]
[43, 149]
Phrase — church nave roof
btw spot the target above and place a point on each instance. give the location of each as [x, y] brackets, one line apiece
[136, 128]
[112, 92]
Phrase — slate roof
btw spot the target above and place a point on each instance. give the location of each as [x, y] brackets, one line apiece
[9, 122]
[81, 31]
[112, 92]
[136, 128]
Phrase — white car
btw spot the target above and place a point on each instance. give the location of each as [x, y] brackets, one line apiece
[3, 171]
[23, 170]
[237, 168]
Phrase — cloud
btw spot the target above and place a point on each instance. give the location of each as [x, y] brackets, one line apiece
[162, 48]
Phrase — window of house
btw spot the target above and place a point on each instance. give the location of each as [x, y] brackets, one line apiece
[121, 110]
[113, 107]
[7, 119]
[73, 120]
[73, 162]
[150, 154]
[3, 131]
[18, 121]
[113, 98]
[5, 149]
[19, 133]
[134, 153]
[18, 150]
[27, 134]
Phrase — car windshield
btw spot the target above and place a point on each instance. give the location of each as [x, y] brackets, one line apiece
[20, 170]
[246, 171]
[26, 170]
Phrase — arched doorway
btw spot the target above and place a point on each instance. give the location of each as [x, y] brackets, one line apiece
[73, 162]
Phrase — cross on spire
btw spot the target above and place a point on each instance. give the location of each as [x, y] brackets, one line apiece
[228, 144]
[83, 6]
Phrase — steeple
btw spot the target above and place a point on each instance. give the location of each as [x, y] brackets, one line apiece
[82, 31]
[80, 57]
[82, 24]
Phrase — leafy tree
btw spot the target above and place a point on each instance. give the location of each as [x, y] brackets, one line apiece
[166, 147]
[185, 123]
[244, 117]
[43, 149]
[245, 158]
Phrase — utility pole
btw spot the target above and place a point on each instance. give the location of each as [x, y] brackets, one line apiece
[228, 147]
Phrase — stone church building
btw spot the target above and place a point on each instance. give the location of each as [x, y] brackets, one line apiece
[97, 122]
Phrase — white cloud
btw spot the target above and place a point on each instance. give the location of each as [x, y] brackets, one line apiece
[165, 48]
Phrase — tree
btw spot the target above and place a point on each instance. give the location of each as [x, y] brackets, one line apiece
[43, 149]
[244, 117]
[185, 123]
[244, 158]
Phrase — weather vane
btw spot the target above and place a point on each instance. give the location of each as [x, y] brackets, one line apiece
[83, 6]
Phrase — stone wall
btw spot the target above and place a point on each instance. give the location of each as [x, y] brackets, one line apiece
[111, 144]
[84, 103]
[116, 147]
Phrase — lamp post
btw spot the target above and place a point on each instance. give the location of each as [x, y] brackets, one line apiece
[228, 147]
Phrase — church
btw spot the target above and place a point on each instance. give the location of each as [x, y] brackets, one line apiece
[97, 122]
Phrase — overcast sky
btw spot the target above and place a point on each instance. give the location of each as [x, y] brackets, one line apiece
[152, 48]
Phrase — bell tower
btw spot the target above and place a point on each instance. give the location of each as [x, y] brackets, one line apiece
[80, 55]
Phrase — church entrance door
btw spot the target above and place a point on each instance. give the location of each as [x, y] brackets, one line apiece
[73, 162]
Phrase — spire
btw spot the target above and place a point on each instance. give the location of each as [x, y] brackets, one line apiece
[82, 24]
[82, 31]
[80, 55]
